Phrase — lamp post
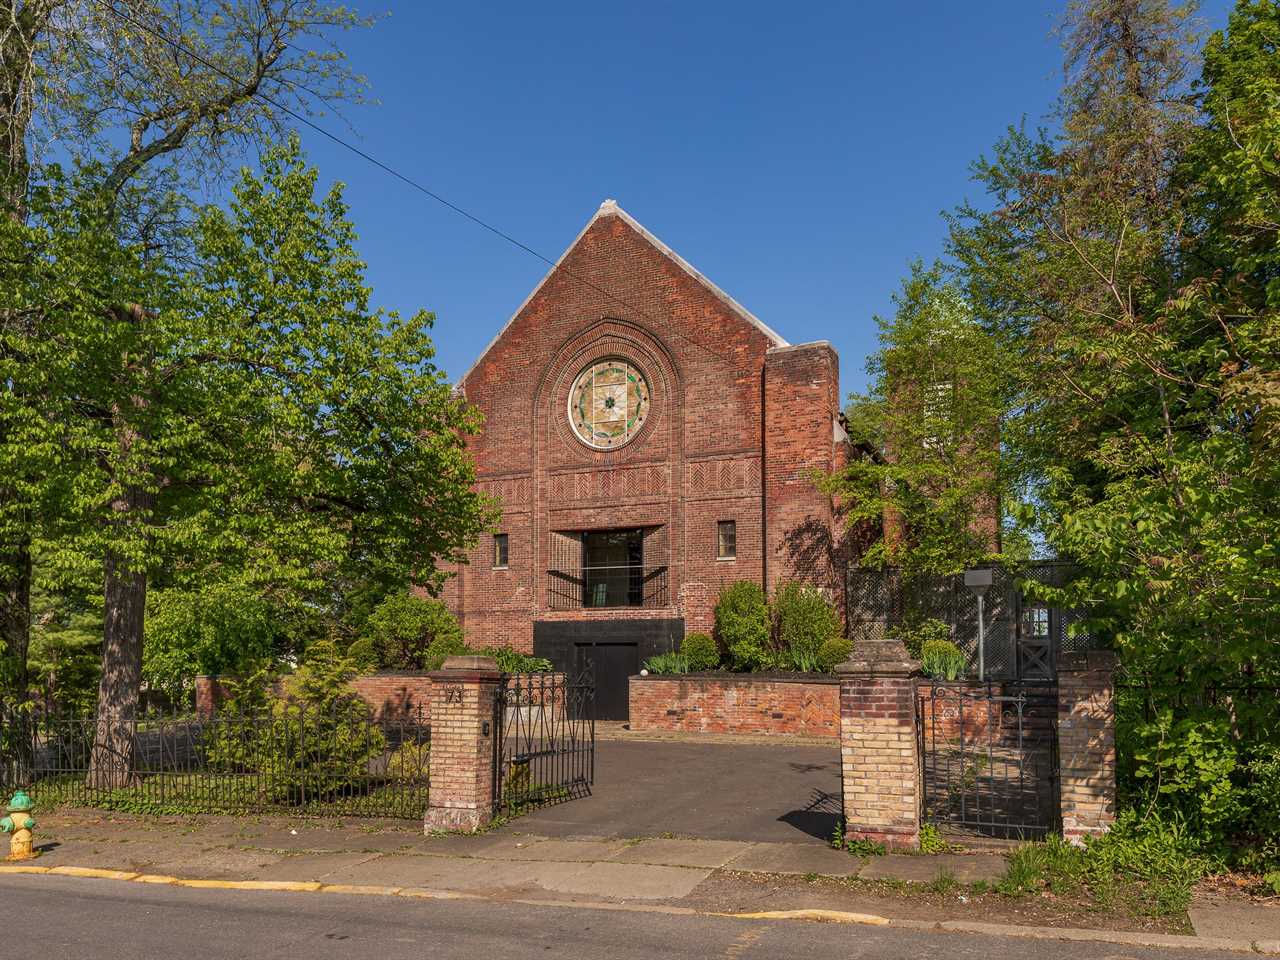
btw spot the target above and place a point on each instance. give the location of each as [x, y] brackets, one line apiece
[979, 581]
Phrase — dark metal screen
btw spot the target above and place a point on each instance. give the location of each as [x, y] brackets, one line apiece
[546, 750]
[296, 760]
[1023, 636]
[989, 759]
[576, 580]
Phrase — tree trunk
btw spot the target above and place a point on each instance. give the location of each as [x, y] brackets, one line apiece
[124, 606]
[125, 596]
[15, 613]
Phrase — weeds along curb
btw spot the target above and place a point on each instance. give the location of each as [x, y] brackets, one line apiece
[1073, 934]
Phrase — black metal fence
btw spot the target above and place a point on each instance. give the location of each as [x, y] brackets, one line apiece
[989, 764]
[1022, 635]
[292, 759]
[546, 748]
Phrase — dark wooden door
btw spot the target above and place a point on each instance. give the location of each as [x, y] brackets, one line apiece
[612, 664]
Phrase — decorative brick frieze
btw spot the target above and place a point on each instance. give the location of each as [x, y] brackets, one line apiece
[1087, 743]
[737, 704]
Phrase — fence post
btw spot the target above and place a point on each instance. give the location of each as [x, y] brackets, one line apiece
[462, 743]
[1087, 743]
[879, 753]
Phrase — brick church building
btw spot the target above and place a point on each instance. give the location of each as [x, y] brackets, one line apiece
[650, 441]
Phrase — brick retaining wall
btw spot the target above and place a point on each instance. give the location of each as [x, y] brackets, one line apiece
[390, 695]
[736, 704]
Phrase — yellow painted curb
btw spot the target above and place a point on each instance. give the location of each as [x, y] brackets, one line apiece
[367, 889]
[287, 886]
[23, 868]
[94, 873]
[155, 878]
[828, 916]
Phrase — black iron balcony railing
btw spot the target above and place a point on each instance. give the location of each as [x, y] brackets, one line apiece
[624, 585]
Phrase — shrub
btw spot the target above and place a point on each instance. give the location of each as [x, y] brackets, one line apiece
[914, 635]
[409, 632]
[700, 652]
[664, 663]
[742, 626]
[511, 660]
[314, 738]
[834, 652]
[942, 660]
[363, 654]
[444, 647]
[409, 762]
[803, 620]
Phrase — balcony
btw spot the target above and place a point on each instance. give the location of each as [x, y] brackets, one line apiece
[608, 586]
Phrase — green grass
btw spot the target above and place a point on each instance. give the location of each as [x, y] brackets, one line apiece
[1149, 867]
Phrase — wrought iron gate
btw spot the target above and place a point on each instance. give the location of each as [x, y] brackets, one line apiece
[546, 749]
[988, 759]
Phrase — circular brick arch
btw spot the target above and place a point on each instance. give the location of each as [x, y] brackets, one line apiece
[602, 340]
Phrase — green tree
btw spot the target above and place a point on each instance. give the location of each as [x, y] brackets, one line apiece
[218, 628]
[1129, 262]
[112, 85]
[933, 477]
[257, 416]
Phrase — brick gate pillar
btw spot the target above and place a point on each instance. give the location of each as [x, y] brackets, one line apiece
[1087, 743]
[463, 695]
[879, 755]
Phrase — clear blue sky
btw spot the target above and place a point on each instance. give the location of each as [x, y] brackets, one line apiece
[798, 155]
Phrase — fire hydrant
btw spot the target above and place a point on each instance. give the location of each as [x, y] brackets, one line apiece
[20, 823]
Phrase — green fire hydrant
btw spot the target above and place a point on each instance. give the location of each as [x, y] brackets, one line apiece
[20, 823]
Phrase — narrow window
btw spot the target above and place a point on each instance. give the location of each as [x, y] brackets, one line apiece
[726, 539]
[500, 551]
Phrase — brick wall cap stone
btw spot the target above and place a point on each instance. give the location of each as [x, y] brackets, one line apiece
[714, 676]
[879, 658]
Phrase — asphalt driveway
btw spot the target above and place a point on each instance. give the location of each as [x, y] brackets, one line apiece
[712, 791]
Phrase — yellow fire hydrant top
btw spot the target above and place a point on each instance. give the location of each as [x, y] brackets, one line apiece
[20, 823]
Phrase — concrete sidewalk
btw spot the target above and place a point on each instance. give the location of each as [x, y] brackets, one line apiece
[661, 868]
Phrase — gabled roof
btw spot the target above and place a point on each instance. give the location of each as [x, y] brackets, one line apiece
[610, 208]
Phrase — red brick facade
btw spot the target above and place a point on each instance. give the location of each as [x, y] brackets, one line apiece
[736, 704]
[738, 421]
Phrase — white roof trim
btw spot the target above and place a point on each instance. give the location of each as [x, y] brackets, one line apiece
[610, 208]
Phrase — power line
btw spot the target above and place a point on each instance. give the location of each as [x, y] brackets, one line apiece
[386, 168]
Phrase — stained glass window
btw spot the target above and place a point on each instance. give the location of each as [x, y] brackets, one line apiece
[608, 404]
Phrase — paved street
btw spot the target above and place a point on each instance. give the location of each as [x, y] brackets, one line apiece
[74, 919]
[781, 792]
